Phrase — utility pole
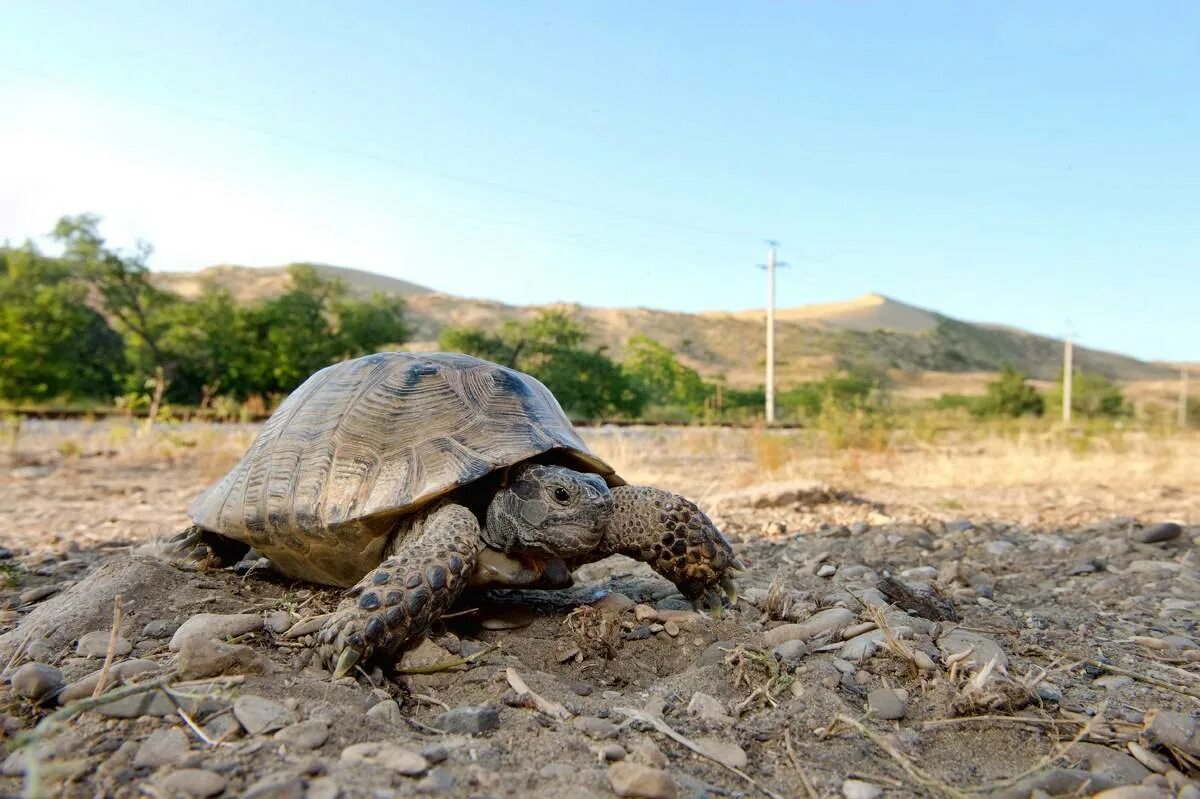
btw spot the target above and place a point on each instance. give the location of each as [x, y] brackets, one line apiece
[1183, 399]
[1068, 374]
[770, 386]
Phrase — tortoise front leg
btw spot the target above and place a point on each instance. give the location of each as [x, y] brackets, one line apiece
[398, 601]
[675, 537]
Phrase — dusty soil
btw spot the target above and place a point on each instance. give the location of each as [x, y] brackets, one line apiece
[1071, 634]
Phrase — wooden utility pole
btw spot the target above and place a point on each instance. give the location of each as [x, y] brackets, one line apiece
[1068, 375]
[770, 383]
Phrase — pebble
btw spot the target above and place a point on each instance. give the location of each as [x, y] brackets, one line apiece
[276, 786]
[200, 656]
[438, 780]
[32, 595]
[723, 751]
[387, 711]
[827, 570]
[675, 602]
[1157, 533]
[162, 748]
[791, 652]
[1111, 682]
[614, 603]
[671, 628]
[1000, 548]
[983, 648]
[216, 626]
[595, 728]
[323, 788]
[1119, 766]
[151, 703]
[279, 621]
[468, 720]
[920, 574]
[819, 623]
[388, 755]
[159, 628]
[609, 752]
[259, 715]
[644, 612]
[644, 782]
[197, 783]
[861, 647]
[708, 708]
[304, 735]
[887, 703]
[36, 681]
[857, 789]
[95, 645]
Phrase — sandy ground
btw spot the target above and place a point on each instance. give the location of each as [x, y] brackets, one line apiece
[1041, 647]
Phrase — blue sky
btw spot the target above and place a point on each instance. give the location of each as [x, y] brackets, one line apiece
[1035, 164]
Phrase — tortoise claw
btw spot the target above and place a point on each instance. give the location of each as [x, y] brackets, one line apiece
[730, 589]
[346, 662]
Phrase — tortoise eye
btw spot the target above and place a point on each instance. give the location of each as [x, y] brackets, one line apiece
[561, 495]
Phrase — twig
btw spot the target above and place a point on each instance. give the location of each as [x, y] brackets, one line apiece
[102, 683]
[1001, 719]
[927, 781]
[809, 788]
[194, 727]
[1045, 761]
[1166, 686]
[72, 709]
[670, 732]
[547, 706]
[16, 656]
[458, 613]
[431, 700]
[446, 665]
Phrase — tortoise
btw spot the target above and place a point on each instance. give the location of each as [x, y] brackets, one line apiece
[407, 476]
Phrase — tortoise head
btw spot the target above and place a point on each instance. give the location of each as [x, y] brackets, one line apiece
[548, 510]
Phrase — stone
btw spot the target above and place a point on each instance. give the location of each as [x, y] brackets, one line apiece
[387, 711]
[858, 789]
[162, 748]
[1118, 766]
[95, 645]
[216, 626]
[195, 783]
[595, 728]
[31, 595]
[323, 788]
[36, 681]
[1157, 533]
[791, 652]
[887, 703]
[151, 703]
[201, 657]
[304, 735]
[279, 621]
[438, 780]
[722, 750]
[468, 720]
[983, 648]
[159, 628]
[118, 674]
[259, 715]
[609, 752]
[708, 708]
[826, 570]
[820, 623]
[276, 786]
[644, 613]
[861, 647]
[633, 779]
[999, 548]
[386, 755]
[1112, 682]
[614, 603]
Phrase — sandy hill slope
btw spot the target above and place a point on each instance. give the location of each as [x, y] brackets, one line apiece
[873, 332]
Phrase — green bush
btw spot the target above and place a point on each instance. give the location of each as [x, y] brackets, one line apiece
[1093, 396]
[1009, 395]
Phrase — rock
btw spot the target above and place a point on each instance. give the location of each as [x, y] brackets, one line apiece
[1112, 682]
[29, 596]
[196, 783]
[468, 720]
[95, 645]
[861, 647]
[983, 648]
[857, 789]
[827, 570]
[36, 681]
[386, 711]
[151, 703]
[614, 603]
[276, 786]
[999, 548]
[1120, 767]
[216, 626]
[644, 613]
[774, 495]
[159, 628]
[791, 652]
[201, 657]
[279, 621]
[887, 703]
[162, 748]
[387, 755]
[438, 780]
[595, 728]
[648, 754]
[304, 735]
[633, 779]
[259, 715]
[423, 655]
[920, 574]
[609, 752]
[708, 708]
[825, 621]
[1157, 533]
[723, 751]
[323, 788]
[775, 528]
[118, 674]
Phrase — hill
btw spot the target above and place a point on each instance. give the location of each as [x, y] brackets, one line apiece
[872, 332]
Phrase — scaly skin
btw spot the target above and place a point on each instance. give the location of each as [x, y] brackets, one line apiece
[398, 601]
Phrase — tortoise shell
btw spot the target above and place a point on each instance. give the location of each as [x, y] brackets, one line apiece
[363, 443]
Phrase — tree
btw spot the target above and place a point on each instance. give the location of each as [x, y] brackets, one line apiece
[1092, 395]
[664, 380]
[1010, 395]
[366, 325]
[52, 345]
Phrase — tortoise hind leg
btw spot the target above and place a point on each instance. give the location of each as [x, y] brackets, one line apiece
[396, 602]
[205, 548]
